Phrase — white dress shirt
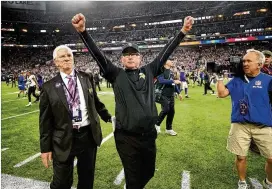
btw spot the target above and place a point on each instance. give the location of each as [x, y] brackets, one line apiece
[84, 113]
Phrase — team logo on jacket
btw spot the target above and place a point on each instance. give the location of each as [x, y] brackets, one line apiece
[58, 85]
[142, 75]
[258, 83]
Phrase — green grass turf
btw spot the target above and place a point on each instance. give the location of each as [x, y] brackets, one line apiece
[202, 124]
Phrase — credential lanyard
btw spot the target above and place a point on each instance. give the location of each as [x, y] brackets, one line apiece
[73, 97]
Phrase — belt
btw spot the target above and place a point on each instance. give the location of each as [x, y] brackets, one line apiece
[80, 129]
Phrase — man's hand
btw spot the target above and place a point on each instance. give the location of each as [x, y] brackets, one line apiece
[46, 157]
[78, 21]
[177, 82]
[187, 25]
[180, 97]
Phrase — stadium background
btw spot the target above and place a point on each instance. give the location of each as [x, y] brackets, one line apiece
[31, 30]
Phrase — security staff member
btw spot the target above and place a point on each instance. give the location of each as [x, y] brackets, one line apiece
[136, 112]
[251, 117]
[167, 101]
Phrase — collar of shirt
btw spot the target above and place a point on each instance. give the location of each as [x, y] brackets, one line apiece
[64, 75]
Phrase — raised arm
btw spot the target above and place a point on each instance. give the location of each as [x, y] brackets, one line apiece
[107, 69]
[164, 54]
[221, 89]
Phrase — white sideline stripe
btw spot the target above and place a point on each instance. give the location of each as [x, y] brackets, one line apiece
[14, 100]
[255, 183]
[106, 138]
[19, 115]
[4, 149]
[75, 162]
[12, 182]
[27, 160]
[119, 177]
[185, 182]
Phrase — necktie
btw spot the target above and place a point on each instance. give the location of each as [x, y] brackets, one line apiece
[73, 96]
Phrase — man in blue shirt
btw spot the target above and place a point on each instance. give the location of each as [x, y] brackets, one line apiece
[21, 84]
[251, 118]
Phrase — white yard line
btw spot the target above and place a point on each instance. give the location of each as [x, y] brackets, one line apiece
[106, 138]
[75, 162]
[4, 149]
[12, 182]
[19, 115]
[14, 100]
[185, 182]
[255, 183]
[27, 160]
[119, 177]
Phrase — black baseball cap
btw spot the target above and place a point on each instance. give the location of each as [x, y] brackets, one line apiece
[130, 48]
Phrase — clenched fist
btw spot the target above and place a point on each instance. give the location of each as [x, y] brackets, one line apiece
[78, 22]
[187, 25]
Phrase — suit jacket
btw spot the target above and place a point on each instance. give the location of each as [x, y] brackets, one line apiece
[56, 132]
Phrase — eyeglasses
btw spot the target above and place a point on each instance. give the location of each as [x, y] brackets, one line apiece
[131, 54]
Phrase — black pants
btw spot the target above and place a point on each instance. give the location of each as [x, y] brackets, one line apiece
[138, 156]
[31, 90]
[201, 82]
[13, 83]
[97, 84]
[207, 87]
[168, 109]
[108, 84]
[85, 149]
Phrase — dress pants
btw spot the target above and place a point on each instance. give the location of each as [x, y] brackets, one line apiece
[138, 156]
[85, 149]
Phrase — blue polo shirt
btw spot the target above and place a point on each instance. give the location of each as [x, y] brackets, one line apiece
[251, 101]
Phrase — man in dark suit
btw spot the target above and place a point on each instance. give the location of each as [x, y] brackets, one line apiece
[69, 123]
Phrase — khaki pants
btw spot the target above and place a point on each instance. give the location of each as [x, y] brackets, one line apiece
[240, 136]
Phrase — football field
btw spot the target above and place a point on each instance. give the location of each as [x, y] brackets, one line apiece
[196, 158]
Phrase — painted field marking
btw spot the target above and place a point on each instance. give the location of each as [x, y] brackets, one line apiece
[19, 115]
[27, 160]
[13, 182]
[119, 177]
[4, 149]
[185, 182]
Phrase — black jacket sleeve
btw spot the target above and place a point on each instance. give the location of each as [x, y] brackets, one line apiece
[99, 106]
[164, 54]
[45, 122]
[108, 70]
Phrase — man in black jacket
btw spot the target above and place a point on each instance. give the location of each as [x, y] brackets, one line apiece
[69, 123]
[167, 101]
[207, 83]
[136, 112]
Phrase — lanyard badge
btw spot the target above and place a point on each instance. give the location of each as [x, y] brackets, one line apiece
[77, 115]
[243, 107]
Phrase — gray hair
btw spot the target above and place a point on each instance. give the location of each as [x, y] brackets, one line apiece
[61, 47]
[260, 55]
